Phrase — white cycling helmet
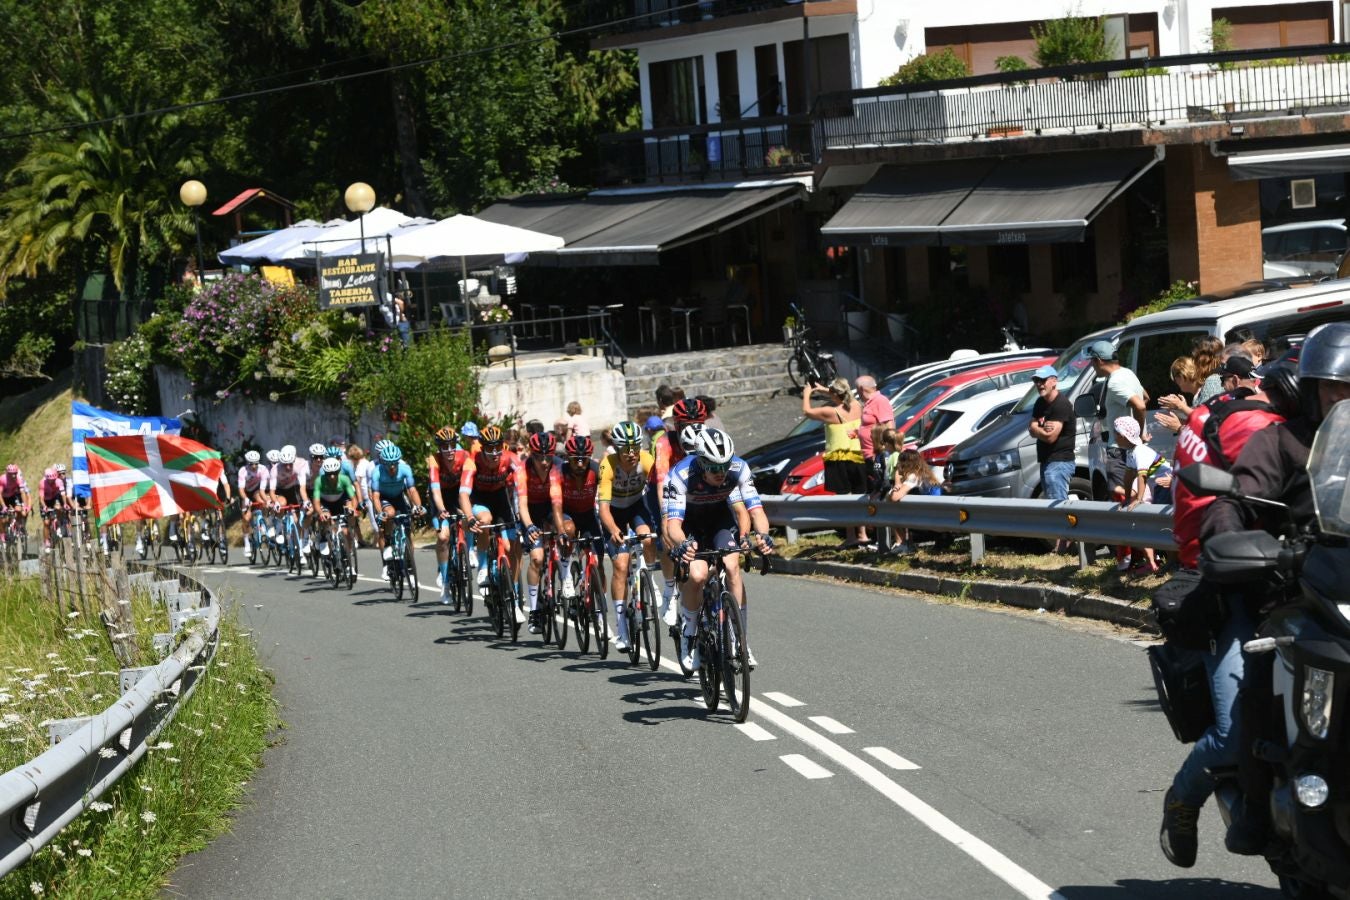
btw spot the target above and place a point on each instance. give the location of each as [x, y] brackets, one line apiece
[330, 466]
[317, 449]
[287, 455]
[273, 456]
[60, 468]
[715, 446]
[689, 437]
[253, 457]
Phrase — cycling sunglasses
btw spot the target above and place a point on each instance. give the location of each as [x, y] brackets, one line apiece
[579, 459]
[627, 448]
[492, 449]
[716, 468]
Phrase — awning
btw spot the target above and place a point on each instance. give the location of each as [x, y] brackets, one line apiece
[635, 229]
[1042, 199]
[1285, 162]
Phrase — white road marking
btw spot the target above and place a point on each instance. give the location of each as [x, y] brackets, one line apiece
[805, 767]
[783, 699]
[833, 726]
[756, 732]
[890, 758]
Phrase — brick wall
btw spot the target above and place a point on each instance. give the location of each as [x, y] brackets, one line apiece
[1213, 222]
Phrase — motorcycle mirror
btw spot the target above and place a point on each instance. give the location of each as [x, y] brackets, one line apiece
[1205, 480]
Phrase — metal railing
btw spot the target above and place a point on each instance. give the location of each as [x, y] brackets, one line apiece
[1080, 521]
[664, 13]
[1130, 93]
[597, 326]
[769, 145]
[40, 798]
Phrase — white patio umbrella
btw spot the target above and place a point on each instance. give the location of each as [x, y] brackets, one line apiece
[377, 223]
[256, 249]
[290, 243]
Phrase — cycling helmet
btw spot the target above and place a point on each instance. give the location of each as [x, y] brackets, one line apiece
[626, 433]
[333, 452]
[391, 453]
[317, 449]
[49, 472]
[689, 410]
[545, 443]
[253, 457]
[11, 469]
[470, 430]
[380, 445]
[60, 468]
[330, 466]
[274, 456]
[1325, 355]
[689, 437]
[492, 435]
[579, 445]
[715, 446]
[287, 455]
[446, 435]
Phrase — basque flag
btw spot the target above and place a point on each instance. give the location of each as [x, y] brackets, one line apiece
[150, 476]
[89, 421]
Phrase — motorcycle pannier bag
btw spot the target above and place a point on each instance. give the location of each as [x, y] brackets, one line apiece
[1190, 611]
[1183, 691]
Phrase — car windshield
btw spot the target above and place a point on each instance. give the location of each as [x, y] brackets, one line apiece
[1070, 365]
[805, 426]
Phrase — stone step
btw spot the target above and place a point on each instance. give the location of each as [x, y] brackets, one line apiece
[709, 377]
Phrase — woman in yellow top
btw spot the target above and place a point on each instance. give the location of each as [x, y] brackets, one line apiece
[845, 472]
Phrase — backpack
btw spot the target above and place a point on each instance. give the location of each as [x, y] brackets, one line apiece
[1219, 412]
[1190, 611]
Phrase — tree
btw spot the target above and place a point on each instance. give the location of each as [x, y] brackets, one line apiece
[1072, 39]
[942, 66]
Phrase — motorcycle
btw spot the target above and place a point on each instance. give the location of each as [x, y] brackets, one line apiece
[1306, 742]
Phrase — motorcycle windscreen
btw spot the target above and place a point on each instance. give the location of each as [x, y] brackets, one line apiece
[1328, 470]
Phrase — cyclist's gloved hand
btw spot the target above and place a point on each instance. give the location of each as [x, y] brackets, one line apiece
[683, 549]
[419, 511]
[532, 532]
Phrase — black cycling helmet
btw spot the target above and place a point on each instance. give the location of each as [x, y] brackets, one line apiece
[1324, 355]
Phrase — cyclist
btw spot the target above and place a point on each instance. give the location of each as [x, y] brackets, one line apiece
[52, 492]
[288, 485]
[667, 451]
[488, 492]
[580, 487]
[334, 495]
[372, 474]
[623, 486]
[705, 496]
[543, 504]
[393, 493]
[255, 486]
[444, 468]
[317, 454]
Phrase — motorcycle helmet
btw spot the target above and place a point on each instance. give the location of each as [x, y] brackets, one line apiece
[1280, 385]
[1325, 356]
[715, 446]
[331, 466]
[253, 457]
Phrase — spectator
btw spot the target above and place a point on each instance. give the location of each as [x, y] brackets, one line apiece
[1142, 464]
[534, 426]
[1055, 428]
[713, 420]
[1256, 350]
[576, 422]
[363, 467]
[1209, 355]
[1177, 407]
[665, 399]
[1124, 396]
[656, 426]
[561, 430]
[912, 475]
[876, 410]
[844, 470]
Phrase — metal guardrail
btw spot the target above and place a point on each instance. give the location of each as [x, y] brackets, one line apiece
[1169, 90]
[1080, 521]
[41, 797]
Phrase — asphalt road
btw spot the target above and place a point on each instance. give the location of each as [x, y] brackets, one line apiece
[896, 747]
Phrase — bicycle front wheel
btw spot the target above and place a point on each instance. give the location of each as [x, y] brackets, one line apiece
[707, 664]
[632, 616]
[410, 570]
[734, 661]
[576, 605]
[599, 620]
[495, 605]
[152, 539]
[506, 601]
[649, 622]
[558, 607]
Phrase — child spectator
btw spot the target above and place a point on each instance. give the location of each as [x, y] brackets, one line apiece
[912, 475]
[1142, 465]
[576, 422]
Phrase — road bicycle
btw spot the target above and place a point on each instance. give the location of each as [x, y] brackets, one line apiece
[456, 580]
[288, 539]
[586, 606]
[150, 539]
[339, 565]
[55, 527]
[501, 595]
[724, 665]
[212, 537]
[402, 566]
[311, 536]
[15, 536]
[641, 612]
[257, 534]
[549, 607]
[83, 536]
[808, 365]
[186, 548]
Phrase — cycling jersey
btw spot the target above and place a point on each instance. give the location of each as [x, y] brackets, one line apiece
[52, 489]
[334, 488]
[545, 490]
[479, 476]
[286, 477]
[254, 478]
[578, 494]
[446, 470]
[391, 486]
[13, 486]
[622, 489]
[687, 492]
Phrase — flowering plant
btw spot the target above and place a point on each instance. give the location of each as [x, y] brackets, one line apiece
[496, 314]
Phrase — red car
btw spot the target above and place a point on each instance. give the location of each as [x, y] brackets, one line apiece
[808, 478]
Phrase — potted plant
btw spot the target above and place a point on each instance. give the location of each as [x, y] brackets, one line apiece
[789, 329]
[778, 157]
[496, 316]
[589, 346]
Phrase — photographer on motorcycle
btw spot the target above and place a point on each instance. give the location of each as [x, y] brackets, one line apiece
[1272, 465]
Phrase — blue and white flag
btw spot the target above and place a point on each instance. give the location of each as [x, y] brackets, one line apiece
[90, 421]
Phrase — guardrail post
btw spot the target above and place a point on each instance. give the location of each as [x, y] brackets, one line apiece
[1084, 561]
[791, 534]
[60, 729]
[163, 643]
[129, 677]
[976, 548]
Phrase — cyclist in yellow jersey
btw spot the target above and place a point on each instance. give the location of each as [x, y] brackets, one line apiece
[623, 486]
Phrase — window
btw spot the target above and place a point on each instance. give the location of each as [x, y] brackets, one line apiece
[677, 92]
[1009, 269]
[829, 70]
[728, 87]
[768, 86]
[1155, 354]
[1294, 324]
[1074, 266]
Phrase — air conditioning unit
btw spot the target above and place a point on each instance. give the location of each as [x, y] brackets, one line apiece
[1303, 193]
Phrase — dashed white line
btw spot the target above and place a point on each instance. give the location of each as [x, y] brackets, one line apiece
[890, 758]
[833, 726]
[782, 699]
[805, 767]
[756, 732]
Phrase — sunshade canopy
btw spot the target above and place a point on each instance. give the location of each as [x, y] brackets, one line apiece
[1285, 162]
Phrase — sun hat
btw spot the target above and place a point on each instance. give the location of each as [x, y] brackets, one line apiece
[1128, 428]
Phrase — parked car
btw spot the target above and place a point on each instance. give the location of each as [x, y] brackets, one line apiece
[951, 422]
[910, 417]
[770, 462]
[1313, 248]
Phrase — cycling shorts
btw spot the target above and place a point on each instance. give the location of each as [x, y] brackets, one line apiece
[401, 504]
[498, 505]
[290, 496]
[587, 524]
[54, 503]
[713, 529]
[541, 514]
[334, 507]
[13, 500]
[626, 520]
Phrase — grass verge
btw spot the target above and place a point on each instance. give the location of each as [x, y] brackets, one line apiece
[180, 794]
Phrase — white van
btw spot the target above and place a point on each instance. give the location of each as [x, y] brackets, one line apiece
[1149, 344]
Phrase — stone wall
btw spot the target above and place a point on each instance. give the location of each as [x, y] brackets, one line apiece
[542, 389]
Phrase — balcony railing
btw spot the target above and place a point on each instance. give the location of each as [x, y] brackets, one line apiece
[1135, 93]
[746, 148]
[664, 13]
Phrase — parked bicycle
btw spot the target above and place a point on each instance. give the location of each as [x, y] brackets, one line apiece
[808, 365]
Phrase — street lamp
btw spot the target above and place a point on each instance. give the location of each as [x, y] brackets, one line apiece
[360, 199]
[193, 194]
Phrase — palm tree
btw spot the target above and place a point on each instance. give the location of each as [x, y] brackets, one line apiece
[106, 192]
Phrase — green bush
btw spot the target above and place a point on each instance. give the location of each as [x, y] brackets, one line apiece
[129, 376]
[1011, 64]
[30, 354]
[1072, 39]
[929, 67]
[1177, 290]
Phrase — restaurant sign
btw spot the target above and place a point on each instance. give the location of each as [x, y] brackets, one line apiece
[351, 281]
